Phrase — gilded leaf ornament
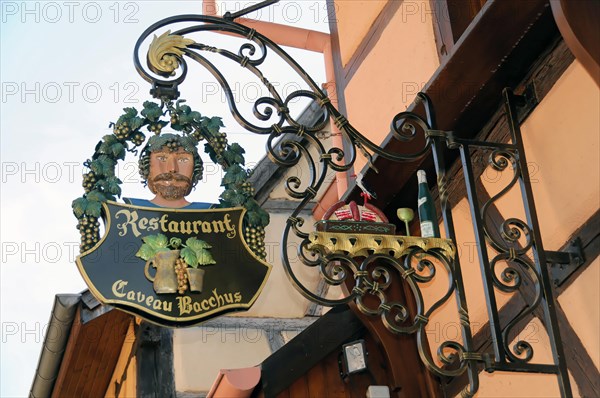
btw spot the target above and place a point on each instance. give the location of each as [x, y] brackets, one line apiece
[164, 52]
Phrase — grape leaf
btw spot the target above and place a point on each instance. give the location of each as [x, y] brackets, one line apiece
[79, 205]
[184, 110]
[159, 142]
[118, 150]
[135, 123]
[197, 244]
[188, 118]
[231, 196]
[151, 111]
[204, 257]
[96, 167]
[232, 157]
[97, 147]
[93, 209]
[102, 184]
[235, 175]
[146, 252]
[252, 204]
[223, 203]
[103, 166]
[157, 241]
[189, 256]
[237, 148]
[265, 218]
[104, 146]
[113, 185]
[253, 218]
[175, 126]
[95, 196]
[129, 113]
[214, 124]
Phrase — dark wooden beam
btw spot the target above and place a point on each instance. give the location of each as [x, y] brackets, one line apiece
[154, 359]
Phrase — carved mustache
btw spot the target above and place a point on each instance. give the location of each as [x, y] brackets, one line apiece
[172, 177]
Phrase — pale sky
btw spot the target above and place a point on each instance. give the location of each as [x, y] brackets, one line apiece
[66, 71]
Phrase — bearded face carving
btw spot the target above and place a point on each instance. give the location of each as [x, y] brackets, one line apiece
[171, 173]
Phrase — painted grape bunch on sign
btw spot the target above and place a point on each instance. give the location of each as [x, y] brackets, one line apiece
[189, 256]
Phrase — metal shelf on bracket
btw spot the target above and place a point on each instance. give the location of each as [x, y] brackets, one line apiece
[564, 263]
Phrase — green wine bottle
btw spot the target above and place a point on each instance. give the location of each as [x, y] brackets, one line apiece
[426, 208]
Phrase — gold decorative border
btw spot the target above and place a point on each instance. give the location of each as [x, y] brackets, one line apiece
[363, 245]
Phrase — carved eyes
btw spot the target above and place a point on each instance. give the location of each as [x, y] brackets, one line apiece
[180, 159]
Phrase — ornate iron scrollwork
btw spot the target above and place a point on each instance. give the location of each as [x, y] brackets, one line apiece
[370, 260]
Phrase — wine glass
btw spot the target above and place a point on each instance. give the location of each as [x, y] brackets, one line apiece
[406, 214]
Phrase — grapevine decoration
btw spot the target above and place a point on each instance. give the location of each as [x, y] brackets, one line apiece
[100, 182]
[194, 253]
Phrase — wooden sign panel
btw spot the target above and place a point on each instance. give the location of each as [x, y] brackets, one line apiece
[173, 267]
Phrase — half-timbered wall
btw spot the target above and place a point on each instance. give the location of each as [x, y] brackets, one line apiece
[378, 78]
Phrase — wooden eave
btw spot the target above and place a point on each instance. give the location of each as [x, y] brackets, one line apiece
[92, 350]
[497, 50]
[298, 356]
[53, 348]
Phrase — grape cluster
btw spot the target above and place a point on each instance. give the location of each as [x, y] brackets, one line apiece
[122, 131]
[219, 143]
[138, 138]
[182, 277]
[174, 118]
[89, 181]
[197, 135]
[89, 228]
[255, 237]
[172, 144]
[248, 189]
[155, 128]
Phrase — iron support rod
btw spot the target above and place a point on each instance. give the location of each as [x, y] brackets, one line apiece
[229, 16]
[446, 210]
[488, 285]
[551, 323]
[526, 368]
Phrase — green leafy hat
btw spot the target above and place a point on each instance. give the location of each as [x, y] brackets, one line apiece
[172, 142]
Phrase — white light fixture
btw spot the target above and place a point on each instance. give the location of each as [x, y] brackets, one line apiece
[355, 356]
[378, 392]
